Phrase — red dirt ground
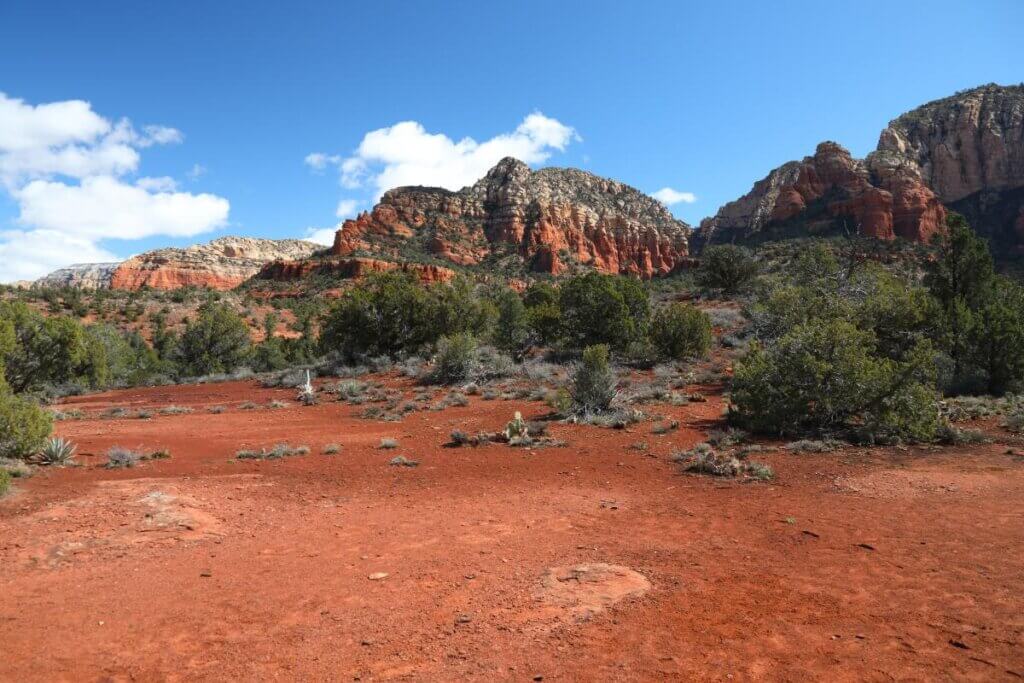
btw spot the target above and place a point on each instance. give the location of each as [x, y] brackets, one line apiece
[861, 564]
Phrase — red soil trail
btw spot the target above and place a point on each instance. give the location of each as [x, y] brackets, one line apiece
[853, 565]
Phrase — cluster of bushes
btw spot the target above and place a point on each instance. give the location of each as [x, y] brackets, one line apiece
[392, 314]
[855, 349]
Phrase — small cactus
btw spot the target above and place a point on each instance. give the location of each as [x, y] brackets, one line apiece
[517, 428]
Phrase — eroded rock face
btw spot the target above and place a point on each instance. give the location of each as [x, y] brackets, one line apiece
[223, 263]
[831, 192]
[969, 149]
[963, 144]
[82, 276]
[551, 218]
[965, 152]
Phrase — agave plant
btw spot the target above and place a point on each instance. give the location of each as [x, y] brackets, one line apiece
[57, 452]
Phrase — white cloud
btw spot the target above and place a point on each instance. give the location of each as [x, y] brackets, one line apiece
[161, 184]
[318, 161]
[102, 207]
[347, 208]
[23, 126]
[196, 172]
[28, 255]
[64, 165]
[323, 236]
[406, 154]
[160, 135]
[668, 196]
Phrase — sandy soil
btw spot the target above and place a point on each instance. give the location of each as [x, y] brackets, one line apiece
[590, 562]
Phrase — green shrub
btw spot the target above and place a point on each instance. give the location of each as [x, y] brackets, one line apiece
[24, 426]
[603, 309]
[726, 267]
[593, 381]
[217, 341]
[511, 332]
[455, 360]
[5, 482]
[827, 375]
[681, 331]
[543, 312]
[385, 314]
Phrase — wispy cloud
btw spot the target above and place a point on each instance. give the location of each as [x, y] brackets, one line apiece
[668, 196]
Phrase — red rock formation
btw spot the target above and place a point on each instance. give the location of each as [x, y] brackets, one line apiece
[965, 152]
[223, 263]
[545, 218]
[885, 201]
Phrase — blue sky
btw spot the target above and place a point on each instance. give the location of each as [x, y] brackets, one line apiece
[704, 99]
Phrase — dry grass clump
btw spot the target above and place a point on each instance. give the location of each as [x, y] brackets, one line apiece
[703, 459]
[281, 450]
[175, 410]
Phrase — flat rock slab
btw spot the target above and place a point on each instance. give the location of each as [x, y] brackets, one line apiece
[584, 590]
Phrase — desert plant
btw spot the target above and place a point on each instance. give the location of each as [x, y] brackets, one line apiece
[331, 449]
[216, 341]
[5, 482]
[1015, 420]
[813, 445]
[665, 427]
[118, 457]
[58, 452]
[455, 360]
[175, 410]
[402, 461]
[593, 381]
[281, 450]
[726, 267]
[24, 426]
[826, 375]
[516, 431]
[388, 444]
[460, 438]
[601, 309]
[680, 331]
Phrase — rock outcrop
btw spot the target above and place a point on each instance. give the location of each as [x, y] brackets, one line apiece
[969, 149]
[223, 263]
[963, 144]
[80, 275]
[827, 193]
[551, 219]
[964, 152]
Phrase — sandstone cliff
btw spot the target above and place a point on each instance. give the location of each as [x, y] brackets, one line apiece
[223, 263]
[551, 220]
[969, 149]
[964, 152]
[80, 275]
[827, 193]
